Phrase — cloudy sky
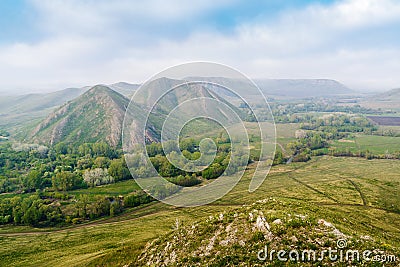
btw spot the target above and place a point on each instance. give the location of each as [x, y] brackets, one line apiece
[49, 45]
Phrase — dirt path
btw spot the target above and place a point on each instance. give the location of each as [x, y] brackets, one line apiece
[283, 149]
[364, 200]
[312, 188]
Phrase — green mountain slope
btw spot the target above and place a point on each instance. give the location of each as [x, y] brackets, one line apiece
[98, 114]
[283, 88]
[36, 102]
[253, 234]
[19, 114]
[124, 88]
[161, 104]
[95, 115]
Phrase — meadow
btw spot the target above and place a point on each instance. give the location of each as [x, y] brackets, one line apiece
[359, 196]
[359, 142]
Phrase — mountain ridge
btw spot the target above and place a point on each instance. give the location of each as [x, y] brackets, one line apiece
[95, 115]
[390, 95]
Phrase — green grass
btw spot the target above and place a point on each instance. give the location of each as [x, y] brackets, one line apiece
[120, 188]
[359, 196]
[286, 130]
[375, 144]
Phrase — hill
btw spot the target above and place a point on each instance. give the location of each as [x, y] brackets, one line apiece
[179, 95]
[37, 102]
[246, 236]
[98, 114]
[95, 115]
[314, 201]
[18, 114]
[287, 88]
[389, 100]
[391, 95]
[303, 88]
[124, 88]
[161, 104]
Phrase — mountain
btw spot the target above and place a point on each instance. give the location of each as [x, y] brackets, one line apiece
[18, 114]
[182, 93]
[96, 115]
[252, 235]
[41, 101]
[37, 102]
[391, 95]
[287, 88]
[389, 100]
[161, 103]
[124, 88]
[303, 88]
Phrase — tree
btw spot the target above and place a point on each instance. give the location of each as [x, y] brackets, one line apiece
[100, 207]
[279, 159]
[118, 170]
[97, 177]
[82, 206]
[65, 180]
[188, 144]
[101, 162]
[213, 171]
[115, 207]
[61, 148]
[33, 180]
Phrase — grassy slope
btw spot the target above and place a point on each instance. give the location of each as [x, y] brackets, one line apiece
[95, 115]
[360, 197]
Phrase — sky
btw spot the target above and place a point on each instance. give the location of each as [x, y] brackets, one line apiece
[48, 45]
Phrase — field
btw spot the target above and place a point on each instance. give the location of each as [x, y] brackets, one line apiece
[392, 105]
[393, 129]
[372, 143]
[385, 120]
[358, 196]
[120, 188]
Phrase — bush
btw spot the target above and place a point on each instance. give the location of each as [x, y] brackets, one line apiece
[136, 199]
[213, 171]
[185, 180]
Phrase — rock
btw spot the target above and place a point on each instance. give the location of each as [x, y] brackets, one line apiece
[325, 223]
[251, 217]
[261, 224]
[366, 237]
[303, 217]
[277, 221]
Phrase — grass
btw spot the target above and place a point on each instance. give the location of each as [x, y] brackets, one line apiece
[116, 189]
[375, 144]
[395, 129]
[286, 130]
[359, 196]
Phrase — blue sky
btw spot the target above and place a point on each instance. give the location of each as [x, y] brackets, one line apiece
[48, 45]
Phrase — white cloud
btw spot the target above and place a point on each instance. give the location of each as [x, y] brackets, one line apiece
[87, 42]
[358, 13]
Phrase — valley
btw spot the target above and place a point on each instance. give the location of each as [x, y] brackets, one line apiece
[320, 188]
[66, 189]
